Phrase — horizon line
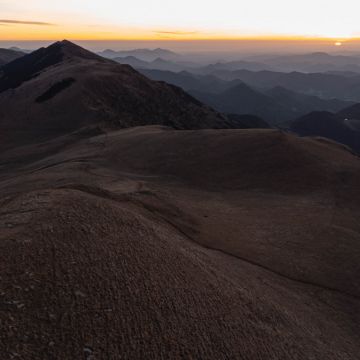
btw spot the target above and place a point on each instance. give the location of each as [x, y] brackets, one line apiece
[237, 38]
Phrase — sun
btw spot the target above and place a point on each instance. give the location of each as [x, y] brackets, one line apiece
[338, 43]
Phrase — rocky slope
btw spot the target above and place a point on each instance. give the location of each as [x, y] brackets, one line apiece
[156, 243]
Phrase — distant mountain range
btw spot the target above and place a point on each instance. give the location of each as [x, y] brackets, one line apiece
[25, 51]
[242, 99]
[234, 65]
[8, 55]
[342, 127]
[306, 63]
[141, 54]
[156, 64]
[313, 62]
[277, 105]
[327, 86]
[189, 81]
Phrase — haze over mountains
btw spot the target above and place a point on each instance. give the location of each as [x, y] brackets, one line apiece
[138, 223]
[314, 62]
[277, 97]
[141, 54]
[308, 63]
[318, 79]
[8, 55]
[278, 105]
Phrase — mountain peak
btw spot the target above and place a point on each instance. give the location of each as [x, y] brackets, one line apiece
[68, 50]
[319, 53]
[28, 66]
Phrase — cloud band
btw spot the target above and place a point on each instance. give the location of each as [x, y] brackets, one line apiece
[19, 22]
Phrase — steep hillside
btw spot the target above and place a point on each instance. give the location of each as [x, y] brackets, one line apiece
[64, 87]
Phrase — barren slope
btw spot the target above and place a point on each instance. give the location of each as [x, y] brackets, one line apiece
[63, 87]
[155, 243]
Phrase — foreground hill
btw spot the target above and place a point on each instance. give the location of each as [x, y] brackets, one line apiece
[64, 87]
[151, 243]
[8, 55]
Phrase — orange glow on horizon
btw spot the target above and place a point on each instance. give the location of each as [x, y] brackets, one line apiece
[161, 20]
[54, 32]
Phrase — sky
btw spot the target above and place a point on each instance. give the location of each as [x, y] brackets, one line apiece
[184, 20]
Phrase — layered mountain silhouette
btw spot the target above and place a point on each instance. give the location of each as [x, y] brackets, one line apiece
[8, 55]
[157, 64]
[190, 82]
[327, 86]
[277, 105]
[318, 62]
[242, 99]
[207, 63]
[140, 54]
[234, 65]
[74, 88]
[351, 113]
[132, 227]
[314, 62]
[340, 127]
[132, 61]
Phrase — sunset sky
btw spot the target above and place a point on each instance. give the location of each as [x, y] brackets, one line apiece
[186, 19]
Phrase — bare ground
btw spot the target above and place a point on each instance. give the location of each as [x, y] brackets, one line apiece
[150, 243]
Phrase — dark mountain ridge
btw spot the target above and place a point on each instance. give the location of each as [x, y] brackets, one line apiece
[101, 92]
[23, 69]
[8, 55]
[335, 126]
